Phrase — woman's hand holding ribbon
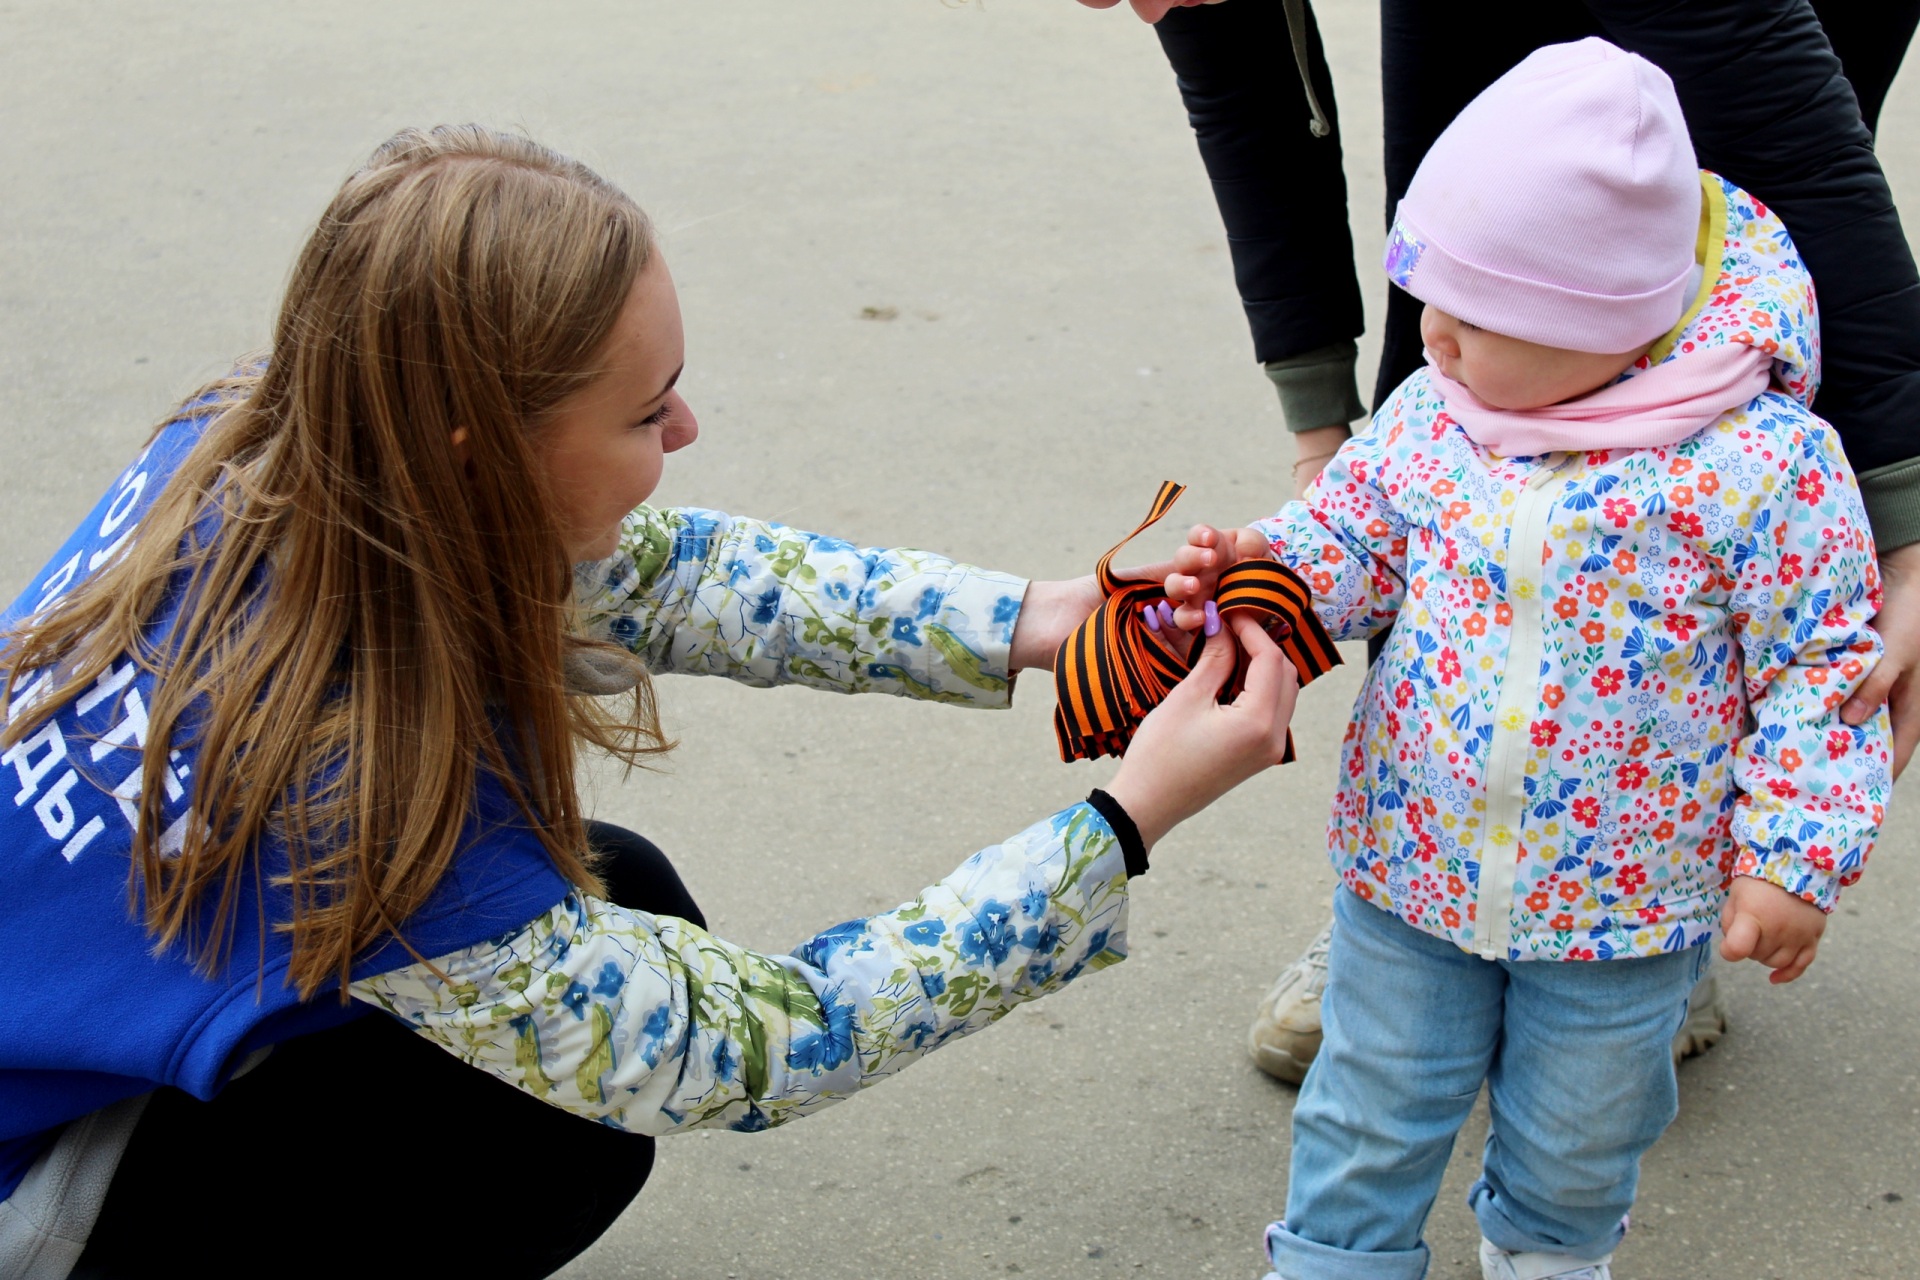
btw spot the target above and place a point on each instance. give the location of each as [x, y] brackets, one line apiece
[1192, 749]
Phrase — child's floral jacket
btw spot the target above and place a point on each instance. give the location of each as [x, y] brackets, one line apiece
[1613, 678]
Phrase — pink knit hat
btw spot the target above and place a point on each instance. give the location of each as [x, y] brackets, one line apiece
[1561, 206]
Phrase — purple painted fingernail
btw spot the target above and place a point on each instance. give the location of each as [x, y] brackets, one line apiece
[1166, 613]
[1212, 625]
[1151, 618]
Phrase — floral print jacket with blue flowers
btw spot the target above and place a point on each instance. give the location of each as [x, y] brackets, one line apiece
[1613, 678]
[650, 1024]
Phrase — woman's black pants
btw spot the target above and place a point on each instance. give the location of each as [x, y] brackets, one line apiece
[369, 1150]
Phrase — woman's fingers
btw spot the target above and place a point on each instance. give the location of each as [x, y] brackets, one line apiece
[1271, 684]
[1191, 750]
[1258, 645]
[1903, 708]
[1159, 622]
[1874, 690]
[1210, 673]
[1892, 679]
[1270, 677]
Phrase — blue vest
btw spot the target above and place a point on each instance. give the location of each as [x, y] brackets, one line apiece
[90, 1014]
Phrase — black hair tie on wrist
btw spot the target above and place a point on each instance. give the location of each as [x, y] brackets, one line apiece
[1132, 848]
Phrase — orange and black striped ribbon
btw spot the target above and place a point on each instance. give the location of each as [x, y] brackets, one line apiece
[1112, 671]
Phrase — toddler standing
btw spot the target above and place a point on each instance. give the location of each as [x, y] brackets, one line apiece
[1629, 580]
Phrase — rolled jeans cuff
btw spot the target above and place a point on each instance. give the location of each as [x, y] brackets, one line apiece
[1295, 1258]
[1317, 389]
[1496, 1226]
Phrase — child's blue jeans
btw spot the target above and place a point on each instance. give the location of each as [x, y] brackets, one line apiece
[1576, 1056]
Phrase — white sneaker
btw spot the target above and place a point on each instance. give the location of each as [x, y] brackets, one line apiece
[1285, 1034]
[1706, 1019]
[1497, 1264]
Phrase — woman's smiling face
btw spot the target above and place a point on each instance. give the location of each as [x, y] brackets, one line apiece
[603, 447]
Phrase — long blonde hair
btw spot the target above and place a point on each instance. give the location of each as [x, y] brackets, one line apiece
[368, 621]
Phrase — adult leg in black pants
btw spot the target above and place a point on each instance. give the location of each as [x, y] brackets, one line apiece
[1280, 188]
[1434, 60]
[367, 1149]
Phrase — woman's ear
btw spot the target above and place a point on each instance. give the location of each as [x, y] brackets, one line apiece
[462, 454]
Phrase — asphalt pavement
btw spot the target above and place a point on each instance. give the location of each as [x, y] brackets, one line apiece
[952, 278]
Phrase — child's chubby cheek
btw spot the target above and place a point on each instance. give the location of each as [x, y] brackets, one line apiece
[1512, 373]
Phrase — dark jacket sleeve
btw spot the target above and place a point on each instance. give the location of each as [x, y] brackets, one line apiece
[1769, 109]
[1281, 190]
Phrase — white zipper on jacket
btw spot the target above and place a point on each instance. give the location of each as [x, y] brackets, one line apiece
[1506, 789]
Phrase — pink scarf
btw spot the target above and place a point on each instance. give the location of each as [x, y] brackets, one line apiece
[1658, 406]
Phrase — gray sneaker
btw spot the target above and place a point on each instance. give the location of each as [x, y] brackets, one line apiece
[1497, 1264]
[1286, 1031]
[1706, 1019]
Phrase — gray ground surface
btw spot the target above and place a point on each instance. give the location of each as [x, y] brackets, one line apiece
[1014, 184]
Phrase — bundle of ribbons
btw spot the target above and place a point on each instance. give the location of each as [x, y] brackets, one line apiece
[1112, 670]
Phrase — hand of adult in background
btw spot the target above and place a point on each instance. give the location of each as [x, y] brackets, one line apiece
[1149, 10]
[1192, 749]
[1892, 680]
[1312, 451]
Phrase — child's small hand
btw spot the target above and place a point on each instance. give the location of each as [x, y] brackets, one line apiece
[1197, 566]
[1764, 922]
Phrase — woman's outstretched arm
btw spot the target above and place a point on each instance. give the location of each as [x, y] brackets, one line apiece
[651, 1024]
[705, 593]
